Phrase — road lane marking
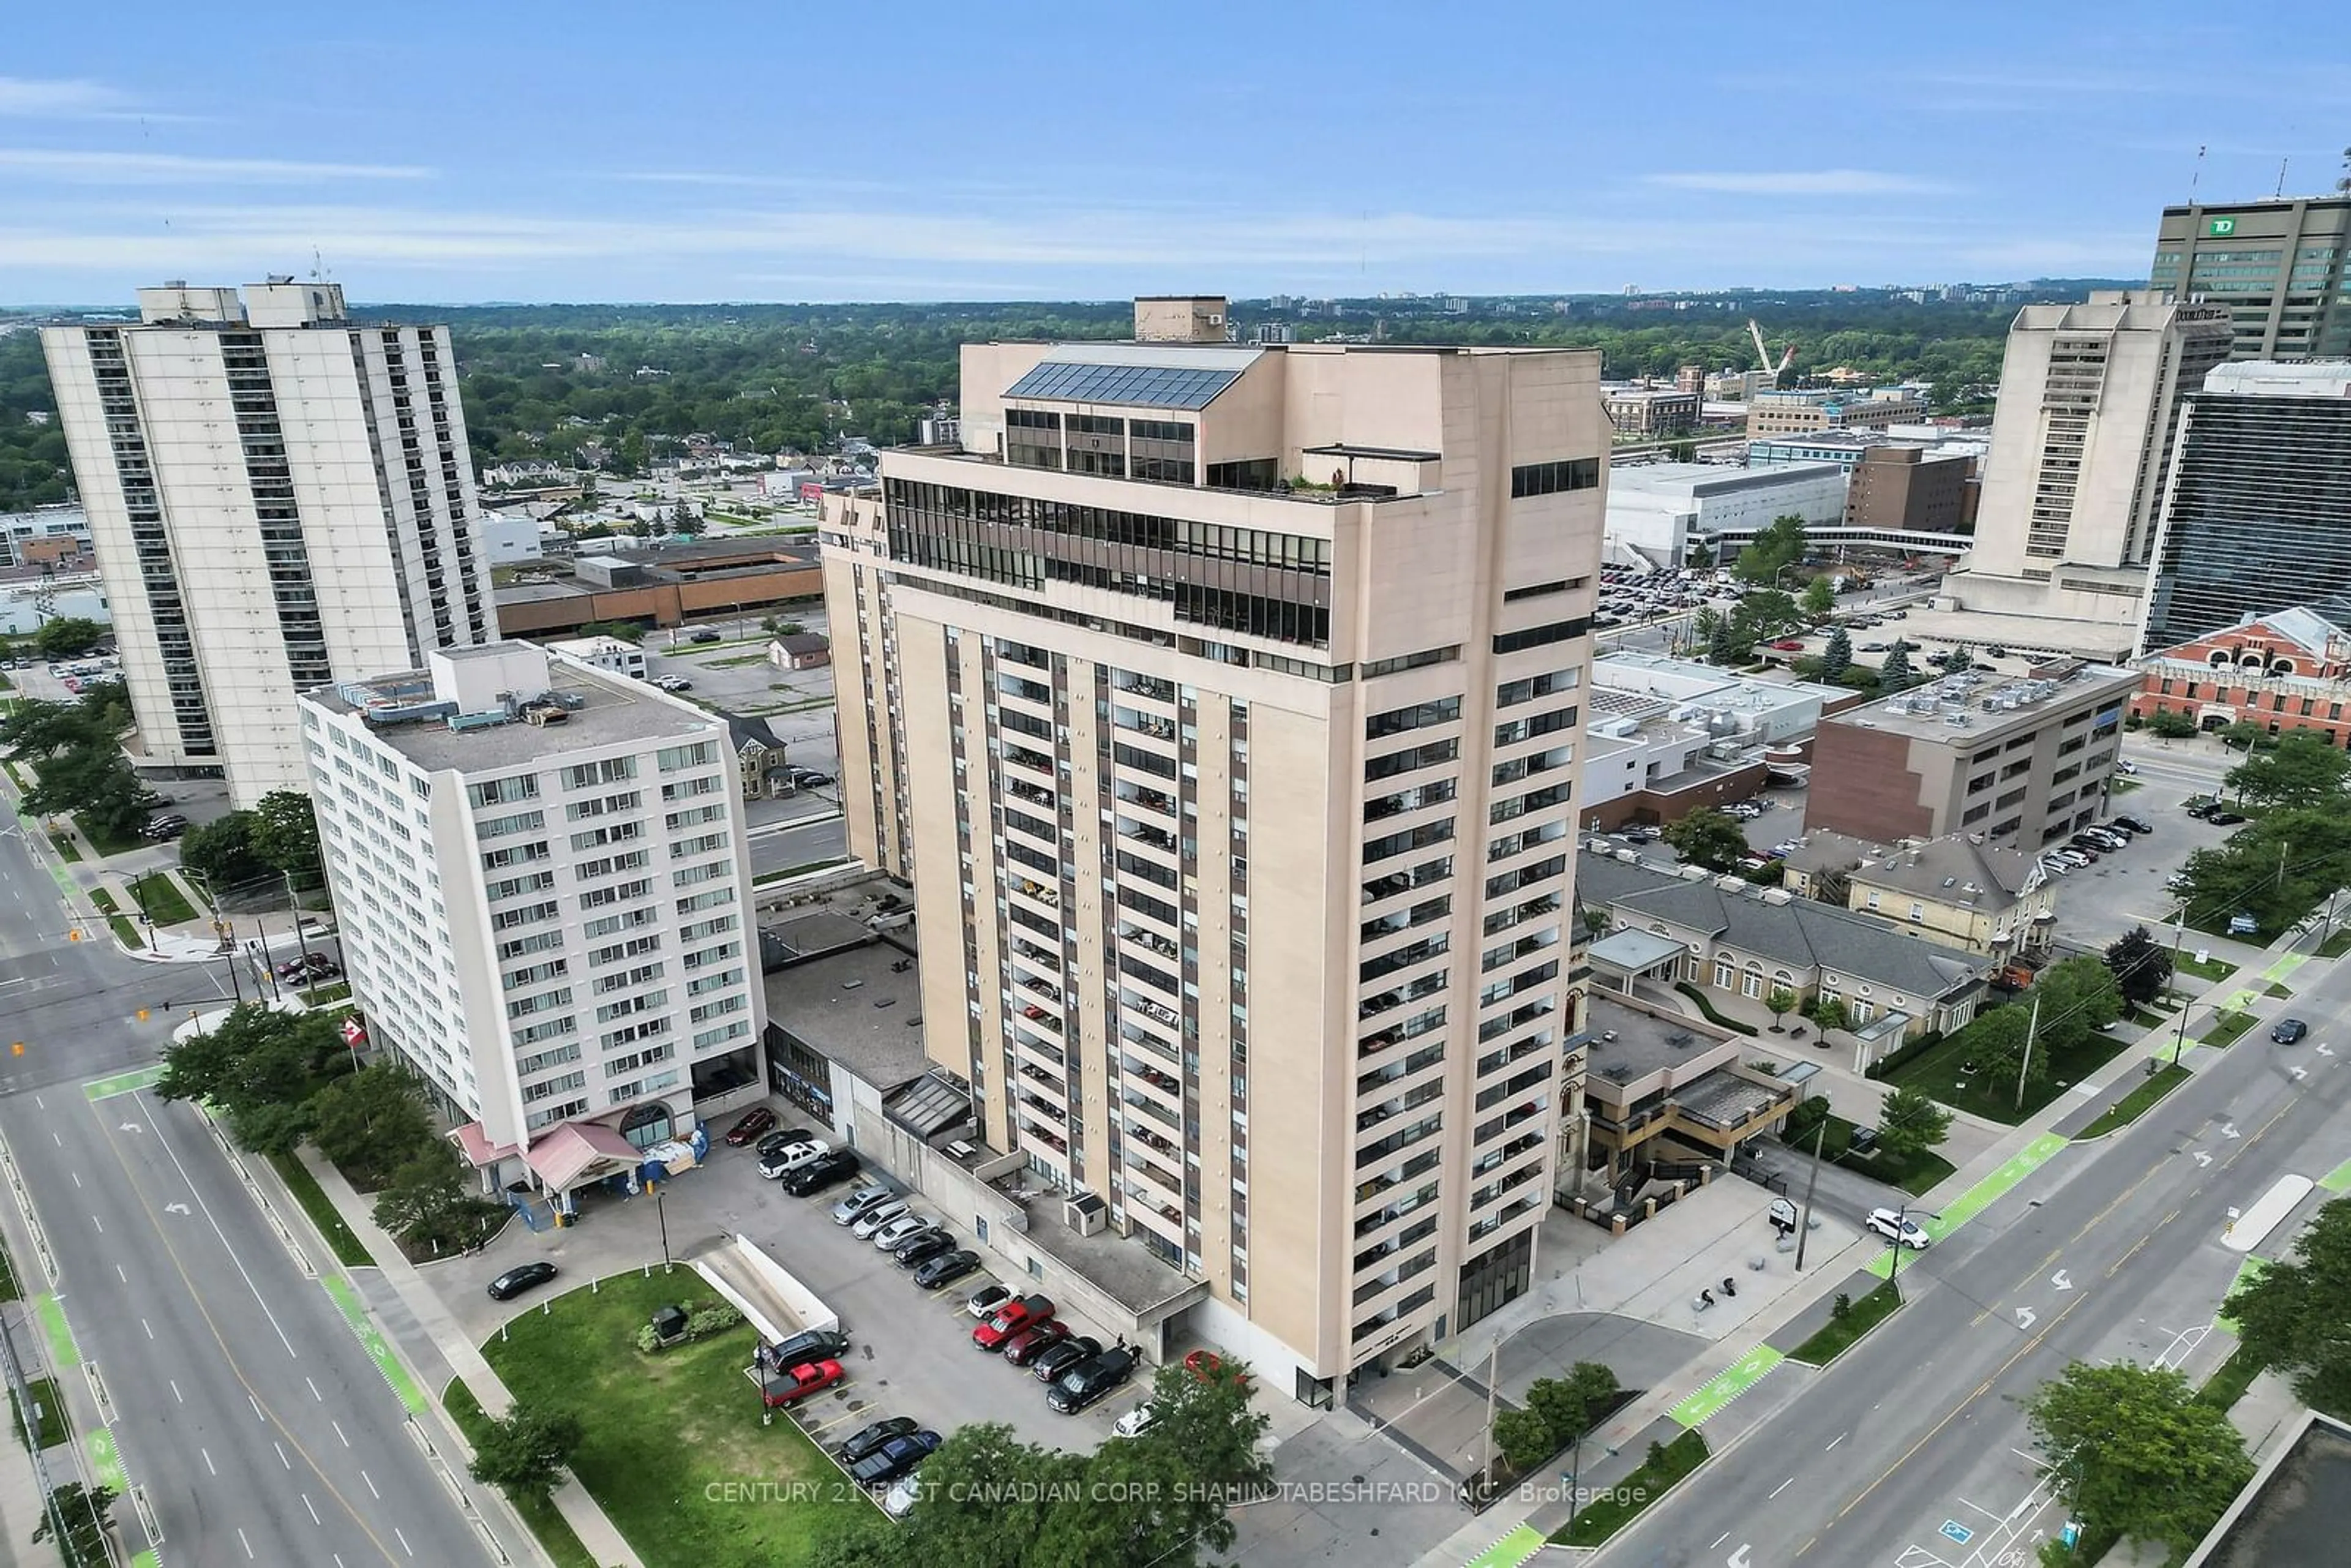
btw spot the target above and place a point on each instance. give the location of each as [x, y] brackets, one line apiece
[77, 1176]
[363, 1476]
[100, 1224]
[1717, 1540]
[147, 1326]
[1840, 1438]
[403, 1542]
[337, 1425]
[241, 1541]
[274, 1325]
[1978, 1507]
[175, 1390]
[120, 1275]
[314, 1391]
[255, 1403]
[281, 1453]
[209, 1467]
[1783, 1486]
[313, 1508]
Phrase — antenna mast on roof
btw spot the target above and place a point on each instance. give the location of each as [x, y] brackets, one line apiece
[2281, 186]
[2194, 175]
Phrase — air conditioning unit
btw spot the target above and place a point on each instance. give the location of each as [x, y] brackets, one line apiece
[1086, 1214]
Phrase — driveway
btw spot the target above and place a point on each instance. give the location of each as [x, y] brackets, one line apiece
[912, 1353]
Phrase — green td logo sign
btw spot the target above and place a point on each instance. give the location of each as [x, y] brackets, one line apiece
[2220, 228]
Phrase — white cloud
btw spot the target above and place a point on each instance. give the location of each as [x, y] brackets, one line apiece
[1800, 183]
[88, 168]
[27, 98]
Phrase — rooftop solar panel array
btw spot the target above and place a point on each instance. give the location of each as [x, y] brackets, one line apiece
[1129, 386]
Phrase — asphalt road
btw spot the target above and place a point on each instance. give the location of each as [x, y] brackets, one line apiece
[1910, 1449]
[799, 843]
[240, 1397]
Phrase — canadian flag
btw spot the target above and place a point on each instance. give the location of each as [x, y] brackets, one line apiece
[354, 1031]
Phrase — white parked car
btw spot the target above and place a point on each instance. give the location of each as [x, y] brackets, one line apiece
[900, 1500]
[1900, 1228]
[1135, 1422]
[791, 1158]
[899, 1229]
[874, 1219]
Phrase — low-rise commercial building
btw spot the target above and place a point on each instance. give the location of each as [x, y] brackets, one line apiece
[1665, 1090]
[1641, 765]
[2022, 763]
[2290, 671]
[541, 875]
[1796, 413]
[664, 588]
[1656, 511]
[1650, 413]
[1981, 897]
[1912, 489]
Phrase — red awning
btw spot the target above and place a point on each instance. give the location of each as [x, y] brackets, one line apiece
[576, 1149]
[478, 1150]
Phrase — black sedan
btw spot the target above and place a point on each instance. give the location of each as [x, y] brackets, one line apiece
[520, 1278]
[1090, 1381]
[783, 1138]
[869, 1439]
[893, 1458]
[2289, 1030]
[1056, 1359]
[824, 1171]
[946, 1269]
[810, 1344]
[917, 1250]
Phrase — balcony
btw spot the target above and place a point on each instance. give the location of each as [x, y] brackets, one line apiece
[1150, 940]
[1165, 1083]
[1373, 1256]
[1152, 1011]
[1137, 1133]
[1040, 1075]
[1146, 686]
[1158, 800]
[1395, 1142]
[1420, 1060]
[1135, 1100]
[1035, 795]
[1159, 839]
[1045, 1051]
[1165, 1186]
[1033, 761]
[1428, 985]
[1057, 1115]
[1048, 896]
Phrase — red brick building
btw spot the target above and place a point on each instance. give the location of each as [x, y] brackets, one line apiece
[2290, 671]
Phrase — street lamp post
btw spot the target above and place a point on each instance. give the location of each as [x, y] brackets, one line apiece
[662, 1219]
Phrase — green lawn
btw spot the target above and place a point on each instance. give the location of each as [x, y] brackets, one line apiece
[2227, 1027]
[105, 841]
[1839, 1333]
[661, 1428]
[104, 900]
[2231, 1379]
[1941, 1072]
[555, 1536]
[163, 899]
[327, 996]
[348, 1248]
[2278, 991]
[1915, 1175]
[1635, 1492]
[2335, 947]
[51, 1426]
[127, 932]
[2124, 786]
[64, 848]
[2207, 968]
[2135, 1103]
[1712, 1016]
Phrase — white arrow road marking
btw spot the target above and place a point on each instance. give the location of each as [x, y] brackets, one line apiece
[2229, 1129]
[2059, 1281]
[2299, 1073]
[176, 1208]
[2202, 1159]
[130, 1127]
[1739, 1558]
[2025, 1317]
[2325, 1050]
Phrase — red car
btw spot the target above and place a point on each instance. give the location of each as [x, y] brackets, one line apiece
[1789, 645]
[1020, 1312]
[801, 1381]
[1033, 1342]
[755, 1120]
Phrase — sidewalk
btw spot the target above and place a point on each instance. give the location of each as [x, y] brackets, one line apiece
[22, 1503]
[412, 1314]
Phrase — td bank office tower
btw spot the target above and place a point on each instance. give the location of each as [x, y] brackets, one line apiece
[1221, 705]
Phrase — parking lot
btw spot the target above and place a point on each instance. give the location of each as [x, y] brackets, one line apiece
[733, 675]
[912, 1352]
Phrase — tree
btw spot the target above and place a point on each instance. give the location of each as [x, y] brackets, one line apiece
[2291, 1316]
[1707, 837]
[1764, 613]
[1836, 655]
[220, 854]
[1820, 598]
[76, 1519]
[427, 1202]
[1524, 1438]
[2141, 965]
[1996, 1042]
[66, 636]
[261, 1066]
[2132, 1450]
[1895, 673]
[1780, 1001]
[1910, 1123]
[1702, 556]
[1829, 1013]
[1682, 451]
[1723, 648]
[2245, 736]
[2300, 772]
[284, 835]
[2078, 997]
[369, 1124]
[1780, 544]
[1960, 660]
[2172, 724]
[522, 1453]
[1571, 1406]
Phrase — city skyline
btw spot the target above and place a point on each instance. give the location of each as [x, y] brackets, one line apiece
[945, 162]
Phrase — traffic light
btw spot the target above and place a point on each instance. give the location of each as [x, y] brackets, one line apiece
[17, 1049]
[143, 1015]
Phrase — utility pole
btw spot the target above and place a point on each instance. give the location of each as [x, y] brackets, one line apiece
[2179, 1041]
[1804, 1223]
[1493, 1365]
[2025, 1072]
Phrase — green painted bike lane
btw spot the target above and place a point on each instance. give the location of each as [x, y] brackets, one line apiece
[2251, 1270]
[2338, 1179]
[106, 1461]
[122, 1083]
[64, 1355]
[1726, 1386]
[1512, 1550]
[1980, 1196]
[395, 1372]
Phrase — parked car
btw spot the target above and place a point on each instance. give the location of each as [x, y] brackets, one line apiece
[809, 779]
[862, 1202]
[811, 1344]
[2136, 824]
[921, 1248]
[674, 684]
[750, 1125]
[782, 1161]
[1033, 1342]
[2242, 925]
[904, 1227]
[872, 1436]
[1900, 1228]
[901, 1499]
[784, 1137]
[893, 1458]
[308, 967]
[1056, 1359]
[798, 1382]
[946, 1268]
[1010, 1319]
[821, 1173]
[707, 635]
[1135, 1422]
[1788, 645]
[2288, 1031]
[1091, 1381]
[165, 826]
[984, 1302]
[2225, 818]
[876, 1216]
[518, 1278]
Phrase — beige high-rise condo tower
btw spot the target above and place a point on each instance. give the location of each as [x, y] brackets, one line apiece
[1221, 704]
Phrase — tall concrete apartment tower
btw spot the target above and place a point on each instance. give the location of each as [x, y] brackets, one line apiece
[2090, 397]
[279, 499]
[2257, 514]
[2282, 269]
[1222, 704]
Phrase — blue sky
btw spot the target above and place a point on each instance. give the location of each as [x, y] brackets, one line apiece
[516, 149]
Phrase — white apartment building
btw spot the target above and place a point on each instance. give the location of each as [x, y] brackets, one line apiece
[544, 892]
[279, 499]
[1221, 703]
[2090, 402]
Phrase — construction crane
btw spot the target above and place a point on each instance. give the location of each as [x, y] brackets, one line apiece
[1763, 354]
